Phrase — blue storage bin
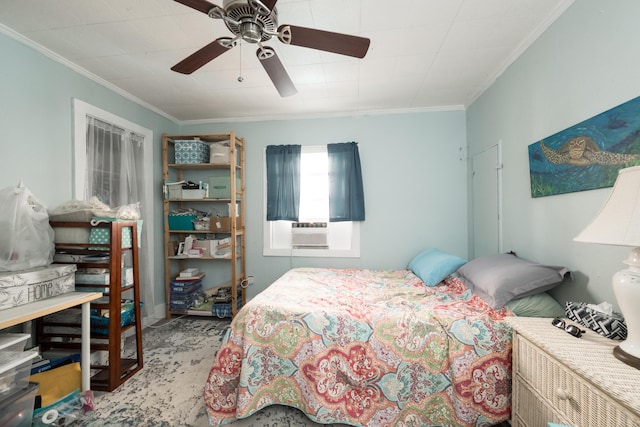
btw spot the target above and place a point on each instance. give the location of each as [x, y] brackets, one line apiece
[181, 221]
[191, 151]
[223, 309]
[182, 288]
[100, 324]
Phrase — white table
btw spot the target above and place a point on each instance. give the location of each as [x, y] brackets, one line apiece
[33, 310]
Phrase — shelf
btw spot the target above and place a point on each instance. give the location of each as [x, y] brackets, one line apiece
[184, 258]
[204, 199]
[201, 166]
[62, 332]
[233, 225]
[240, 231]
[102, 379]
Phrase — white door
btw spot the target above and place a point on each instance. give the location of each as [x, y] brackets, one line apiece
[487, 199]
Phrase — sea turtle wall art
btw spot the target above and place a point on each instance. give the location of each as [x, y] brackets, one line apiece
[587, 155]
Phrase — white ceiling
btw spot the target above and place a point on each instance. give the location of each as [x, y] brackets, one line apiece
[424, 54]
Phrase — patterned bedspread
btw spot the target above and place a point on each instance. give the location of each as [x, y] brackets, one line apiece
[366, 348]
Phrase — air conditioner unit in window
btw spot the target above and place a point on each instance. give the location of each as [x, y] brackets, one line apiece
[309, 235]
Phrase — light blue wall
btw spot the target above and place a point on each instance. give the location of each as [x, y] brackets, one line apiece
[587, 62]
[414, 182]
[36, 127]
[415, 176]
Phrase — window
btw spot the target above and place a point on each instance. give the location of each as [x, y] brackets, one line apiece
[342, 238]
[105, 125]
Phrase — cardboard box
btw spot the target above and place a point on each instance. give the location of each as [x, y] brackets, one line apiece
[222, 224]
[35, 284]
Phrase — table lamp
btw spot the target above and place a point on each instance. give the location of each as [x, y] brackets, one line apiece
[618, 223]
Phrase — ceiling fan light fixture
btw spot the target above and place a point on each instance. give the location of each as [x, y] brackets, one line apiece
[251, 32]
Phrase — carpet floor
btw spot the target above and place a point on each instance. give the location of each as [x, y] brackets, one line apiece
[167, 391]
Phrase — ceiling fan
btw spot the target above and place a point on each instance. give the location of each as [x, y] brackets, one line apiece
[256, 21]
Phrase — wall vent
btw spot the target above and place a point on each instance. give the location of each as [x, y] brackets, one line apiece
[309, 235]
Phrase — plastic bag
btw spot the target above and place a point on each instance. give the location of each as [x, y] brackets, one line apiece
[26, 238]
[63, 412]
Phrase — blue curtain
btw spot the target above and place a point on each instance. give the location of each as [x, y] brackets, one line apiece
[346, 195]
[283, 182]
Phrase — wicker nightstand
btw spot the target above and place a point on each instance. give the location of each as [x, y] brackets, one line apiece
[568, 380]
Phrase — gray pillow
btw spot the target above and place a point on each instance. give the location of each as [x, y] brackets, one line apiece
[498, 279]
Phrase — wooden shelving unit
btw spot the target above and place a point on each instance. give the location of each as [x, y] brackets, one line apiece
[110, 373]
[176, 172]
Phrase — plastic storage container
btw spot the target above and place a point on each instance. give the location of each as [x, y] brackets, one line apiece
[181, 221]
[15, 368]
[13, 342]
[16, 410]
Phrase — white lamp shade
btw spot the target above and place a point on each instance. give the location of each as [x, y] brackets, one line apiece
[618, 222]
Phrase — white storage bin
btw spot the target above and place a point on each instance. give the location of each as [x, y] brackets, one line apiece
[15, 369]
[13, 342]
[220, 152]
[193, 194]
[35, 284]
[72, 234]
[174, 191]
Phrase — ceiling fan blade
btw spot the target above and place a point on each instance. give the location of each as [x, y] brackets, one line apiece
[263, 7]
[270, 4]
[276, 71]
[203, 56]
[342, 44]
[200, 5]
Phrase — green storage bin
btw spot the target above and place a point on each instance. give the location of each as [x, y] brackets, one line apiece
[220, 187]
[181, 221]
[99, 235]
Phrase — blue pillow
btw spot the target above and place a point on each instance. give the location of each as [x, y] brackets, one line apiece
[433, 265]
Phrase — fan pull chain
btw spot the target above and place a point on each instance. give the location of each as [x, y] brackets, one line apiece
[240, 78]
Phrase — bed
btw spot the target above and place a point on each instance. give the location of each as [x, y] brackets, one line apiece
[365, 348]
